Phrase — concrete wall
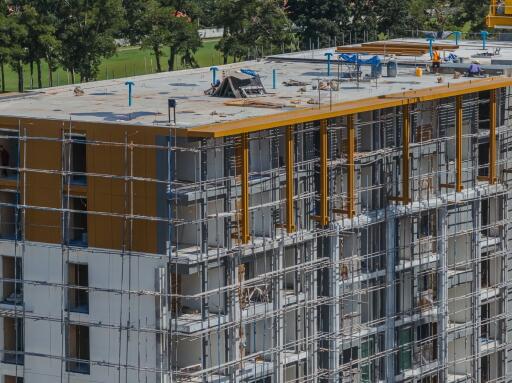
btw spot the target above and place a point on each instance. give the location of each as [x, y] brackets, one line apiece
[44, 298]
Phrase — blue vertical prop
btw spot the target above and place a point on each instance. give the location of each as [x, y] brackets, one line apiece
[329, 56]
[274, 79]
[458, 35]
[431, 46]
[130, 86]
[484, 35]
[214, 70]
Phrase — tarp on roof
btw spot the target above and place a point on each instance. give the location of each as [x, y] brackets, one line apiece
[239, 85]
[353, 59]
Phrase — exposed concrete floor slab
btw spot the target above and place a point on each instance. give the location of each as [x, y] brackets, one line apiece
[107, 101]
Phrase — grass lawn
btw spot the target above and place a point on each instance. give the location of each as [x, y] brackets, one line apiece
[130, 61]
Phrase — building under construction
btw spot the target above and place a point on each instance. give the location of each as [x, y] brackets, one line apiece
[292, 219]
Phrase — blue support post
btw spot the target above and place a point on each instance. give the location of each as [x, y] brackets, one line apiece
[214, 71]
[329, 56]
[484, 35]
[431, 46]
[130, 85]
[274, 79]
[458, 35]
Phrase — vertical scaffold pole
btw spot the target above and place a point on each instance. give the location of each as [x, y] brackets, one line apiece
[406, 125]
[458, 139]
[324, 216]
[351, 171]
[290, 161]
[492, 138]
[245, 189]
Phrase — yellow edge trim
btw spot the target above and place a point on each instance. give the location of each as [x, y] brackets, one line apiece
[295, 117]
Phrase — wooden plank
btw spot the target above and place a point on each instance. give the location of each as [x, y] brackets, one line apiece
[412, 45]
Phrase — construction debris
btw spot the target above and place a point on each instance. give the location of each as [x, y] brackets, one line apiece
[295, 83]
[78, 91]
[329, 85]
[255, 104]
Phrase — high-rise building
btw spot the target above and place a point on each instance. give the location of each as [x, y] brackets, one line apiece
[300, 221]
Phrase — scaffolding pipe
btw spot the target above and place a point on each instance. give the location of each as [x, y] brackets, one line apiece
[492, 138]
[290, 161]
[458, 138]
[245, 189]
[406, 125]
[351, 138]
[324, 218]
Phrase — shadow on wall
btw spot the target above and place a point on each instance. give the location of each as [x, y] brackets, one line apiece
[113, 117]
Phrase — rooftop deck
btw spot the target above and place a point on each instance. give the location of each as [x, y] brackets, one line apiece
[107, 101]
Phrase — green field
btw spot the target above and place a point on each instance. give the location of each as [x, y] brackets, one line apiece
[131, 61]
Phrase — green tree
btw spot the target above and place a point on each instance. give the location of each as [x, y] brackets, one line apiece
[13, 42]
[206, 18]
[269, 25]
[170, 24]
[320, 19]
[252, 23]
[394, 13]
[41, 41]
[471, 12]
[153, 29]
[4, 44]
[87, 32]
[134, 12]
[233, 16]
[183, 40]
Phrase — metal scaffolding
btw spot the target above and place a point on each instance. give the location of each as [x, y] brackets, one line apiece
[366, 246]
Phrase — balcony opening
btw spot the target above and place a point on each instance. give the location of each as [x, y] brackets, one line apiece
[9, 141]
[429, 379]
[12, 271]
[263, 380]
[12, 379]
[485, 274]
[405, 346]
[426, 344]
[14, 343]
[78, 350]
[75, 153]
[9, 218]
[484, 110]
[427, 291]
[483, 159]
[485, 319]
[428, 224]
[368, 369]
[486, 365]
[76, 230]
[78, 296]
[252, 293]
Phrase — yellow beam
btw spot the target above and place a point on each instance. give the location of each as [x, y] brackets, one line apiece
[290, 179]
[351, 167]
[245, 189]
[308, 115]
[324, 187]
[406, 127]
[492, 139]
[498, 21]
[458, 139]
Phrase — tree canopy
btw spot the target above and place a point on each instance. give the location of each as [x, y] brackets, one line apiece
[78, 34]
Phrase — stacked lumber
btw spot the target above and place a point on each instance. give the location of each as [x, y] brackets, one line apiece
[396, 48]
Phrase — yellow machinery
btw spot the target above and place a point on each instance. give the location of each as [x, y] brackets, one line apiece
[500, 14]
